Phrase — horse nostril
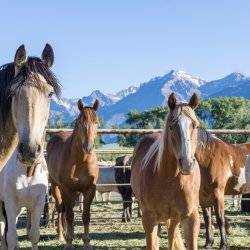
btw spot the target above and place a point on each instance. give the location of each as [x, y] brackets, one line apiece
[39, 148]
[21, 148]
[180, 161]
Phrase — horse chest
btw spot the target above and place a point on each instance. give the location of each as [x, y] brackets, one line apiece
[30, 189]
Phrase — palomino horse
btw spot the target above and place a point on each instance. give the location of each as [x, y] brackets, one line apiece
[22, 186]
[26, 87]
[73, 169]
[165, 177]
[223, 171]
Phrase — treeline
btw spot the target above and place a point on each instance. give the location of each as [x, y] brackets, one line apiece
[216, 113]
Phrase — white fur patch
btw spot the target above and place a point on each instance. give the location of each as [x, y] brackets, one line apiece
[244, 178]
[184, 123]
[241, 179]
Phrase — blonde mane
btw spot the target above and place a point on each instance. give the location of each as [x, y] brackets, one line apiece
[159, 145]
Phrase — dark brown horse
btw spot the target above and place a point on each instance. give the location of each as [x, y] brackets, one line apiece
[223, 171]
[165, 177]
[73, 169]
[122, 176]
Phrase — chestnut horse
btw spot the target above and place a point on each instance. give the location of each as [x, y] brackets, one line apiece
[223, 171]
[73, 169]
[165, 177]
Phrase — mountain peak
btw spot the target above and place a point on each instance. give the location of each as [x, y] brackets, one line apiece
[182, 75]
[235, 76]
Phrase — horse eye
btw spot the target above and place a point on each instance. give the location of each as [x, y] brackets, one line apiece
[51, 94]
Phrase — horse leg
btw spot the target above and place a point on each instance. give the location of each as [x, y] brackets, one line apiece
[220, 217]
[174, 242]
[69, 203]
[55, 191]
[109, 198]
[28, 224]
[34, 233]
[88, 199]
[227, 225]
[178, 243]
[2, 226]
[150, 227]
[11, 237]
[81, 200]
[191, 227]
[207, 215]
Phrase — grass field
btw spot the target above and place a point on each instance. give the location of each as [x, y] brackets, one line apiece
[108, 232]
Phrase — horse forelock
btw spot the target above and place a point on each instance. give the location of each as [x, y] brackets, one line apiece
[11, 83]
[88, 116]
[184, 109]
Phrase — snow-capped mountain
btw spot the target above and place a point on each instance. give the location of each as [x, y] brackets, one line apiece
[114, 107]
[152, 94]
[67, 107]
[234, 80]
[122, 93]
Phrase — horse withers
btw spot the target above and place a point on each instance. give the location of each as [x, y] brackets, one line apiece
[26, 87]
[22, 186]
[73, 169]
[165, 177]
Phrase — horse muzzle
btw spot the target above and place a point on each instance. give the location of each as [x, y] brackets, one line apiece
[187, 166]
[29, 155]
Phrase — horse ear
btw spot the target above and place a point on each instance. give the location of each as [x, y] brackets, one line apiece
[48, 55]
[96, 104]
[80, 105]
[172, 101]
[194, 101]
[20, 57]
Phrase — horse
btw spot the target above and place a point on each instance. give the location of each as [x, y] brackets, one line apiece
[22, 186]
[122, 176]
[223, 171]
[26, 87]
[165, 177]
[73, 169]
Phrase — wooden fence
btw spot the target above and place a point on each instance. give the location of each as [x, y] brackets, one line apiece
[141, 132]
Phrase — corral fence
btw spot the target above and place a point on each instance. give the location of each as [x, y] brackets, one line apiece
[109, 215]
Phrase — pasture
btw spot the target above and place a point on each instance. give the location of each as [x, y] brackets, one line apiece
[108, 232]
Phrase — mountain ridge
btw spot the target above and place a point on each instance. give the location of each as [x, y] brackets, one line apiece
[114, 107]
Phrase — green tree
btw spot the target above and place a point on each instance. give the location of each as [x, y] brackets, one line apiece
[226, 112]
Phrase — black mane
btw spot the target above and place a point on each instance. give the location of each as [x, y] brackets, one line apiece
[8, 78]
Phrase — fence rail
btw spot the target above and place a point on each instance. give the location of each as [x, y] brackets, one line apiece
[149, 131]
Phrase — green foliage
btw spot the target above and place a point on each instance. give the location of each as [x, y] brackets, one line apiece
[58, 122]
[217, 113]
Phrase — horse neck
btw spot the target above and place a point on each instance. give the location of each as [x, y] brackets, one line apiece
[8, 141]
[168, 167]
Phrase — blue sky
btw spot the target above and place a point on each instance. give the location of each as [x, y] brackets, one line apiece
[109, 45]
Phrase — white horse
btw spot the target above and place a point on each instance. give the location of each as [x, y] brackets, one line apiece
[22, 186]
